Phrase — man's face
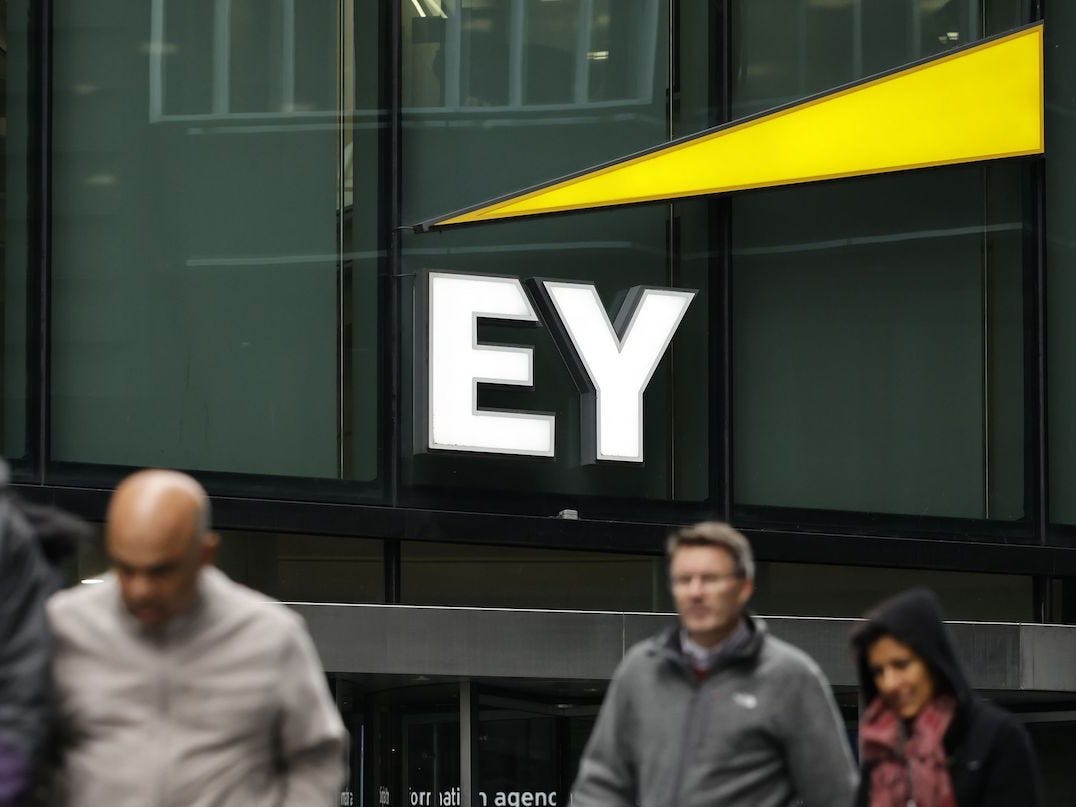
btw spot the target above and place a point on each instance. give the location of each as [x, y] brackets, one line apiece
[708, 593]
[158, 574]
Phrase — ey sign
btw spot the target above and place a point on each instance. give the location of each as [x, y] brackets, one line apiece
[612, 361]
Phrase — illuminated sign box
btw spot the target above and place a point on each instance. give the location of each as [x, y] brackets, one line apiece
[612, 362]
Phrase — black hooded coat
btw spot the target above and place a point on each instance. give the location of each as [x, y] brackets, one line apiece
[991, 763]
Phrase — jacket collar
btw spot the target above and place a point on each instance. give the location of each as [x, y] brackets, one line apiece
[666, 644]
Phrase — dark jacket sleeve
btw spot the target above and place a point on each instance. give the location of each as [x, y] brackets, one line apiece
[819, 756]
[607, 776]
[26, 581]
[863, 792]
[1011, 773]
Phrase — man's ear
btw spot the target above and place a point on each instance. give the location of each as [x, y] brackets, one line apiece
[210, 545]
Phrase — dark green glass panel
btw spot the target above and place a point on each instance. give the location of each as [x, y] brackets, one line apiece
[877, 323]
[198, 216]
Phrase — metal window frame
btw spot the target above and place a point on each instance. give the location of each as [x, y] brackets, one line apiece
[385, 510]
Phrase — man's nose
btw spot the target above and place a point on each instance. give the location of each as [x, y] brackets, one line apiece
[139, 586]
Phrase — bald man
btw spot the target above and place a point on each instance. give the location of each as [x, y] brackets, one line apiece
[179, 687]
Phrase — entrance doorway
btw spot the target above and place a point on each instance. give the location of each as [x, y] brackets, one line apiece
[516, 747]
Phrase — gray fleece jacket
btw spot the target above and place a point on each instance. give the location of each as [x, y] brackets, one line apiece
[226, 707]
[761, 730]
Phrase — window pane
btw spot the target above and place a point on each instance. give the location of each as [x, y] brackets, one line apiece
[198, 206]
[877, 322]
[803, 589]
[287, 567]
[305, 568]
[1061, 256]
[510, 577]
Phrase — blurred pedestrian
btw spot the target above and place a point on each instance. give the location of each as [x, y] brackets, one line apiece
[26, 581]
[177, 686]
[715, 710]
[925, 739]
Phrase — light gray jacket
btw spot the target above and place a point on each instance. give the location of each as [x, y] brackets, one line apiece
[762, 730]
[227, 707]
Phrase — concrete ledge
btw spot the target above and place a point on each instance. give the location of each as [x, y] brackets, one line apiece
[587, 645]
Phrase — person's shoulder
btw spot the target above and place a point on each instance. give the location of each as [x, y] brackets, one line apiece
[252, 607]
[82, 605]
[990, 721]
[786, 655]
[988, 732]
[785, 662]
[640, 657]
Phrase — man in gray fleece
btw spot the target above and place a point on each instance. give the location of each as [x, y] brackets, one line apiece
[715, 710]
[178, 687]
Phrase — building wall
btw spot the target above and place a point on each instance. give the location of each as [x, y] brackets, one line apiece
[210, 263]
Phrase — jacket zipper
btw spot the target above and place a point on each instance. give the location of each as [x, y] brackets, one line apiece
[902, 742]
[163, 708]
[689, 724]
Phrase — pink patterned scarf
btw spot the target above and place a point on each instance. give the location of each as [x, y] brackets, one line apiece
[910, 769]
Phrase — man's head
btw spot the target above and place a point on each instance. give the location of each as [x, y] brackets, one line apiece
[712, 573]
[158, 538]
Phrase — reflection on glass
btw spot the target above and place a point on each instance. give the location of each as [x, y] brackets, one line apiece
[287, 567]
[877, 322]
[431, 758]
[528, 751]
[198, 227]
[802, 589]
[510, 577]
[528, 53]
[788, 49]
[305, 568]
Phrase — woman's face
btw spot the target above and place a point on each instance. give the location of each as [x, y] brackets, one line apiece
[901, 676]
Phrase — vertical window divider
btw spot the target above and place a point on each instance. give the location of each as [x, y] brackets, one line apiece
[343, 113]
[1042, 584]
[453, 48]
[721, 301]
[984, 294]
[857, 38]
[582, 48]
[287, 50]
[39, 264]
[517, 25]
[391, 348]
[156, 62]
[222, 45]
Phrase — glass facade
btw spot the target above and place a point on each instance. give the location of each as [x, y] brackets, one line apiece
[213, 259]
[862, 310]
[199, 208]
[232, 270]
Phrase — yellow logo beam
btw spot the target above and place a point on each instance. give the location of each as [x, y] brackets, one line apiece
[980, 102]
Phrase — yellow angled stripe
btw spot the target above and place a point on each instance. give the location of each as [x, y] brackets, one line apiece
[979, 103]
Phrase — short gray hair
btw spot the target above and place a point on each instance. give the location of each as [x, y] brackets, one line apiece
[717, 534]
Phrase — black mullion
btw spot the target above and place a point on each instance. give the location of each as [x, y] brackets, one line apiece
[391, 565]
[856, 547]
[1039, 464]
[39, 248]
[1035, 301]
[391, 343]
[720, 209]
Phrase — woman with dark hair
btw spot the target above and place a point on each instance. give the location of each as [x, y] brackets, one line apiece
[925, 740]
